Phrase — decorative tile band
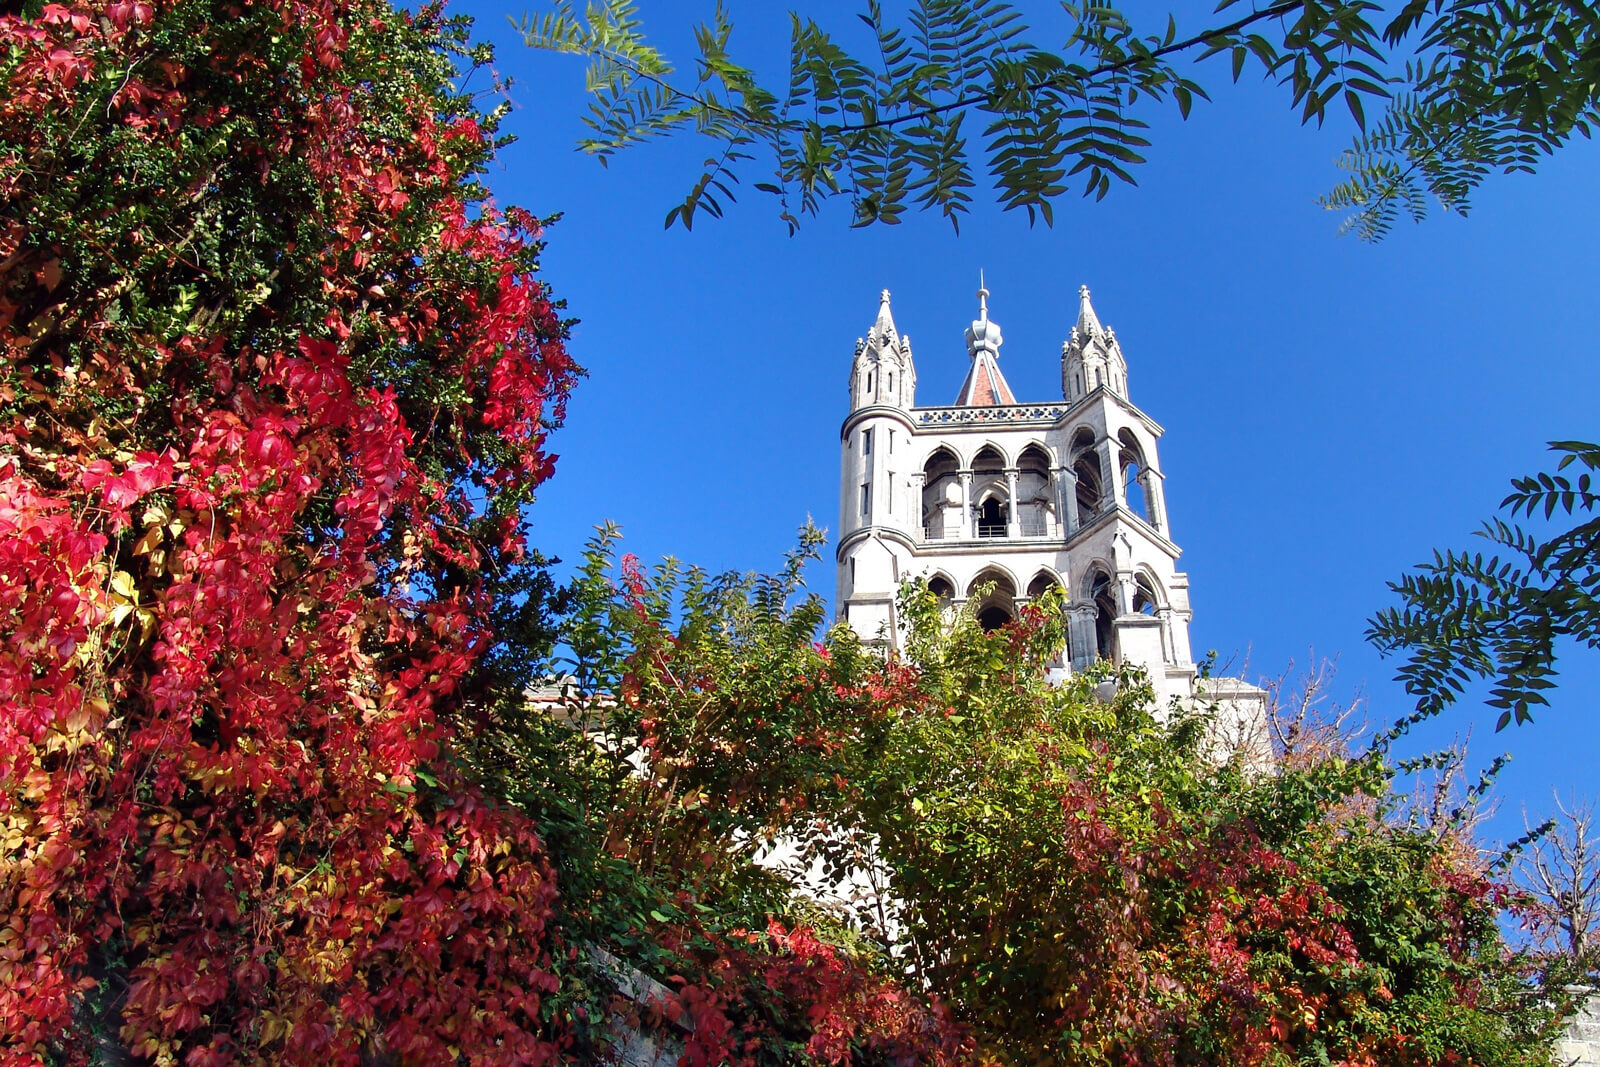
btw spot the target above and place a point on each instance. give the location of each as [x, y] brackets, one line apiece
[1007, 413]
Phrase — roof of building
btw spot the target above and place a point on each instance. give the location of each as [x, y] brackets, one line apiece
[985, 385]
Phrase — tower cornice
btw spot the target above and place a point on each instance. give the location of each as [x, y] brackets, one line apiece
[867, 533]
[1129, 520]
[956, 416]
[1123, 402]
[876, 411]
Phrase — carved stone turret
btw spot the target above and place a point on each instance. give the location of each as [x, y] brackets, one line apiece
[1091, 358]
[883, 371]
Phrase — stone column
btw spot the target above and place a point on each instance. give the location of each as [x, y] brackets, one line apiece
[1013, 512]
[1067, 498]
[1155, 495]
[1112, 473]
[966, 506]
[915, 507]
[1080, 626]
[1168, 647]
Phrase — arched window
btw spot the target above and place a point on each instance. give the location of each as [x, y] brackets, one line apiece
[992, 518]
[998, 604]
[1035, 501]
[1042, 583]
[992, 616]
[1091, 482]
[941, 496]
[1145, 598]
[992, 509]
[941, 587]
[988, 461]
[1134, 476]
[1105, 613]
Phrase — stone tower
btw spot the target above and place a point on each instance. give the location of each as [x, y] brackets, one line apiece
[989, 494]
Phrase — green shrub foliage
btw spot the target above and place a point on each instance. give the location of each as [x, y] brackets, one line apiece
[1033, 874]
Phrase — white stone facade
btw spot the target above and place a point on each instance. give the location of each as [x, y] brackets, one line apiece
[1020, 496]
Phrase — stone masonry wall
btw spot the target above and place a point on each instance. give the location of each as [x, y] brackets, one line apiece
[1580, 1044]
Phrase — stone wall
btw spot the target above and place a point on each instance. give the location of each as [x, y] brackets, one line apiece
[632, 1047]
[1579, 1046]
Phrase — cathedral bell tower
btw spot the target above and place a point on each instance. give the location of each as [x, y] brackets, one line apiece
[992, 498]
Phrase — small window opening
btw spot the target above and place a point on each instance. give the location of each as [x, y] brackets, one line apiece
[1087, 468]
[866, 442]
[998, 605]
[1105, 614]
[1144, 596]
[993, 617]
[992, 518]
[1135, 478]
[1133, 489]
[866, 498]
[1041, 584]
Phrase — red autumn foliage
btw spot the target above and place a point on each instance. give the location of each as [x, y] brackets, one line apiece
[787, 989]
[273, 380]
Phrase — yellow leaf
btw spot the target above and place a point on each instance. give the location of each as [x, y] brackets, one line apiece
[151, 539]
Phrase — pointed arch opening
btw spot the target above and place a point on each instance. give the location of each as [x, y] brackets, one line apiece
[1036, 508]
[992, 517]
[1042, 583]
[1146, 595]
[991, 502]
[998, 605]
[1091, 480]
[1135, 476]
[941, 495]
[989, 460]
[1103, 592]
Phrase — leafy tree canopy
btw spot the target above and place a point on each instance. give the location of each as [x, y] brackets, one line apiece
[1501, 616]
[902, 116]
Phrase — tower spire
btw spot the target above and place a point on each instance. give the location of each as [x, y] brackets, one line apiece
[985, 385]
[882, 372]
[883, 329]
[1088, 321]
[1091, 358]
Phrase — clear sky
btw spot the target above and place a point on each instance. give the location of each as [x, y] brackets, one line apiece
[1334, 410]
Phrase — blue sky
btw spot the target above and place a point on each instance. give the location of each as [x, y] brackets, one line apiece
[1334, 410]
